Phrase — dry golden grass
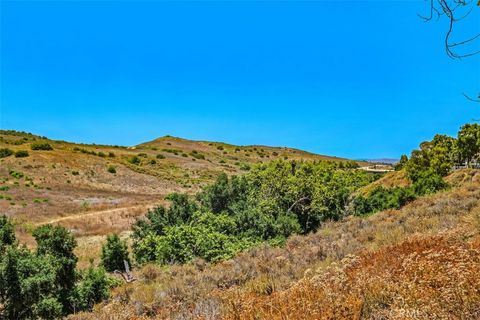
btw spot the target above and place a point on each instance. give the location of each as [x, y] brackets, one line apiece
[422, 278]
[359, 261]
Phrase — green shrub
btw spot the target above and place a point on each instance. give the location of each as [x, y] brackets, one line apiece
[220, 148]
[142, 155]
[270, 203]
[160, 156]
[7, 234]
[114, 253]
[382, 198]
[111, 169]
[41, 146]
[93, 287]
[197, 155]
[75, 173]
[5, 152]
[16, 174]
[111, 155]
[135, 160]
[152, 162]
[21, 154]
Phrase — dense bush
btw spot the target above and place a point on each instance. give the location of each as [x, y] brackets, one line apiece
[382, 198]
[93, 287]
[5, 152]
[44, 284]
[21, 154]
[135, 160]
[41, 146]
[114, 253]
[269, 203]
[111, 169]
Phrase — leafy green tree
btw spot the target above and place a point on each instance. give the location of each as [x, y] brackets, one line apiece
[28, 286]
[180, 211]
[468, 142]
[7, 234]
[114, 253]
[401, 163]
[59, 243]
[94, 287]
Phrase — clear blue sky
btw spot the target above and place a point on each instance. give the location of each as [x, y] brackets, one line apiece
[359, 79]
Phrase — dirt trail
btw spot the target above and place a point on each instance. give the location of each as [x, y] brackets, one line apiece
[94, 213]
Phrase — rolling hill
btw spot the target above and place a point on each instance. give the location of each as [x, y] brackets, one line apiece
[98, 189]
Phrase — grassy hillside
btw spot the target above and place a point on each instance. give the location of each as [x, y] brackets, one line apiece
[421, 261]
[97, 189]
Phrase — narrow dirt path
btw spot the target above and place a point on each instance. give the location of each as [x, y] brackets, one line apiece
[95, 213]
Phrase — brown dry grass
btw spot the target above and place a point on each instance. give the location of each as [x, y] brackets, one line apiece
[422, 278]
[437, 235]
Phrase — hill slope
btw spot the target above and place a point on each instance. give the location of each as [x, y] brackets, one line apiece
[97, 189]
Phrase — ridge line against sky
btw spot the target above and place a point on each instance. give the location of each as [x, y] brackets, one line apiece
[362, 79]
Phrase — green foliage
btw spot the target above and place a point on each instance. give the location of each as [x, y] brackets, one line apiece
[43, 284]
[28, 288]
[41, 146]
[197, 155]
[269, 203]
[112, 169]
[93, 287]
[21, 154]
[134, 160]
[160, 156]
[5, 152]
[382, 198]
[59, 243]
[7, 234]
[469, 143]
[16, 174]
[401, 163]
[114, 253]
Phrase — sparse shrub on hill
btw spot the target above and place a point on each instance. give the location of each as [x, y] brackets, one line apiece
[134, 160]
[5, 152]
[160, 156]
[16, 174]
[41, 146]
[197, 155]
[112, 169]
[21, 154]
[114, 253]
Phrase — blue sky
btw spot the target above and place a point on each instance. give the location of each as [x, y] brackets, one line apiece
[358, 79]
